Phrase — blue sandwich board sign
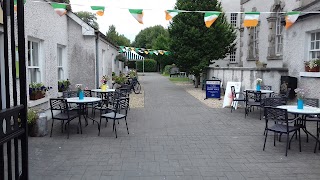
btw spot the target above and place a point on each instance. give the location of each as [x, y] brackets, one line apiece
[213, 89]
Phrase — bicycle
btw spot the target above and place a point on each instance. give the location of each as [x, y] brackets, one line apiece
[134, 85]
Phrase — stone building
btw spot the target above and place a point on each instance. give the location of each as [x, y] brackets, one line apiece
[60, 48]
[281, 51]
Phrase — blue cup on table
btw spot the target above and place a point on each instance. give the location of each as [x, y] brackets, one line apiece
[258, 87]
[300, 104]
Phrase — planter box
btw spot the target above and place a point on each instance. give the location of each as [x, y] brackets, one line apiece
[315, 69]
[36, 95]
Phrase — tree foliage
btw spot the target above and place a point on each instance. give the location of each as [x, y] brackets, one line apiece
[89, 18]
[192, 43]
[117, 38]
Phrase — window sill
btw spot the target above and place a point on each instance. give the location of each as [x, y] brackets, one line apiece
[33, 103]
[274, 58]
[310, 74]
[252, 59]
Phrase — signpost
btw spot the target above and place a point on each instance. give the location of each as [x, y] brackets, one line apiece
[213, 89]
[228, 98]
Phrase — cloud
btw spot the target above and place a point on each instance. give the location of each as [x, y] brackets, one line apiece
[117, 13]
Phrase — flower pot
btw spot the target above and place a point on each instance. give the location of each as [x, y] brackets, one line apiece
[36, 95]
[314, 69]
[81, 95]
[32, 130]
[300, 104]
[258, 87]
[104, 87]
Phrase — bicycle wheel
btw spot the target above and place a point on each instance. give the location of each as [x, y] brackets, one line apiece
[137, 88]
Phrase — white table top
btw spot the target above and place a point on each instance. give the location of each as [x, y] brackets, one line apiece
[306, 109]
[84, 100]
[100, 90]
[262, 91]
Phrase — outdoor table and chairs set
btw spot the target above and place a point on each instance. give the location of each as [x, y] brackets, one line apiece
[279, 117]
[112, 104]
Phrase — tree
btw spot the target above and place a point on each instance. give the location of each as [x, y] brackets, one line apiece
[192, 43]
[157, 38]
[114, 36]
[89, 18]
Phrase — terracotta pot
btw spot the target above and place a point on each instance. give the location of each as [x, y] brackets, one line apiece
[314, 69]
[36, 95]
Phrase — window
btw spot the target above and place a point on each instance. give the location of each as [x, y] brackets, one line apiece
[315, 46]
[104, 63]
[255, 41]
[232, 57]
[233, 19]
[34, 68]
[60, 66]
[278, 37]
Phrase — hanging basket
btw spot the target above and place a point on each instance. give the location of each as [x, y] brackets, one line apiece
[314, 69]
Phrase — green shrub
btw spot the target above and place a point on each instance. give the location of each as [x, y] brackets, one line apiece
[150, 65]
[32, 116]
[167, 69]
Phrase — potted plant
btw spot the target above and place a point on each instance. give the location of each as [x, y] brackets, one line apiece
[120, 80]
[63, 85]
[104, 81]
[80, 91]
[258, 86]
[32, 117]
[312, 66]
[300, 93]
[37, 91]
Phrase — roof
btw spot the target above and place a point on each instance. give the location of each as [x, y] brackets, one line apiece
[313, 6]
[101, 35]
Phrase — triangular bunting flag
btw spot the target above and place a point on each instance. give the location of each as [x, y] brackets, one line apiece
[155, 52]
[170, 14]
[60, 9]
[151, 52]
[146, 52]
[291, 18]
[99, 10]
[210, 18]
[251, 19]
[137, 14]
[167, 53]
[161, 52]
[15, 4]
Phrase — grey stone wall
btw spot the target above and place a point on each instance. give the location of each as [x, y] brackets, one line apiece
[81, 56]
[248, 76]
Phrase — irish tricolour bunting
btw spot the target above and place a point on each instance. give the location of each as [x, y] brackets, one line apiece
[170, 14]
[210, 18]
[291, 18]
[99, 10]
[60, 9]
[137, 14]
[15, 4]
[251, 19]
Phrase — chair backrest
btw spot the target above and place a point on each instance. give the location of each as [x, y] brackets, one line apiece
[311, 102]
[87, 93]
[266, 87]
[275, 114]
[273, 101]
[70, 94]
[58, 104]
[253, 96]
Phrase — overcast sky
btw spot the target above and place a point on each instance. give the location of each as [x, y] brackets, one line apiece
[122, 19]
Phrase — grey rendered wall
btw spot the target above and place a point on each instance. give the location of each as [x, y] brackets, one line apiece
[248, 76]
[296, 46]
[81, 56]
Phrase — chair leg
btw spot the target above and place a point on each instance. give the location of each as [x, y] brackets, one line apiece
[125, 118]
[287, 144]
[265, 139]
[68, 128]
[299, 140]
[115, 128]
[51, 128]
[106, 122]
[274, 139]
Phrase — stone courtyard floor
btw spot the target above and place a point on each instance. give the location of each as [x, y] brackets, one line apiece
[173, 136]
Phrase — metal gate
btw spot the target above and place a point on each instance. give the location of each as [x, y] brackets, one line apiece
[13, 94]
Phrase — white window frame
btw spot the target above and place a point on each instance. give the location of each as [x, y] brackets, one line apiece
[232, 56]
[63, 64]
[278, 38]
[316, 41]
[233, 19]
[40, 59]
[255, 41]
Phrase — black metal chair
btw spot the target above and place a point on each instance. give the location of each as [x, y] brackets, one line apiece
[280, 120]
[266, 87]
[57, 104]
[315, 118]
[253, 99]
[120, 103]
[273, 101]
[235, 98]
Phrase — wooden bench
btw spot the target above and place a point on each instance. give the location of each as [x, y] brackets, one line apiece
[174, 72]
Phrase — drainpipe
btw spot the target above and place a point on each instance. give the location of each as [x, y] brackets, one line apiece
[97, 59]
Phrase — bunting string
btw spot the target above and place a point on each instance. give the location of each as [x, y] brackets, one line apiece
[124, 49]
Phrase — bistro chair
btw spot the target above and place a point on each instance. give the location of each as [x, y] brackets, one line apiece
[57, 104]
[235, 98]
[88, 93]
[315, 118]
[279, 118]
[119, 111]
[253, 99]
[71, 94]
[266, 87]
[103, 105]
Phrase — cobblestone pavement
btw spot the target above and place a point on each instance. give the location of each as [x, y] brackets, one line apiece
[173, 137]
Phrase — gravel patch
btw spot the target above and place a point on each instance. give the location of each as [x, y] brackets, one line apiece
[199, 94]
[137, 100]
